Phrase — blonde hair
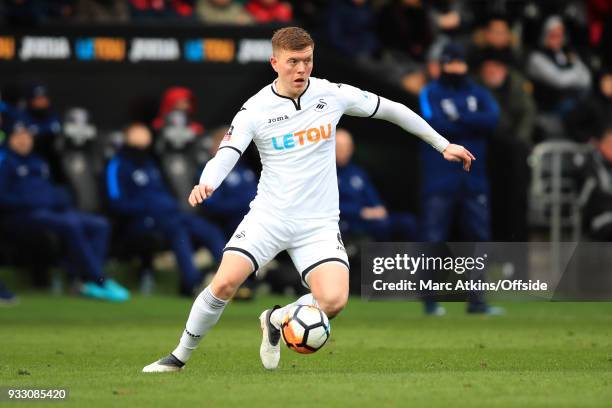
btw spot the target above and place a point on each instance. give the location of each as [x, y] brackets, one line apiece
[291, 39]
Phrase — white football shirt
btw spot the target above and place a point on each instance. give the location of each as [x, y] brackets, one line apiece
[296, 140]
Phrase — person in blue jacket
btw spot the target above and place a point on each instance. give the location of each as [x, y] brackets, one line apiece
[31, 203]
[45, 122]
[466, 113]
[231, 200]
[140, 198]
[361, 209]
[45, 125]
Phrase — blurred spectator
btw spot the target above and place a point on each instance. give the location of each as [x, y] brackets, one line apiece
[147, 9]
[45, 122]
[7, 112]
[509, 144]
[405, 27]
[560, 77]
[586, 121]
[269, 11]
[33, 204]
[45, 126]
[222, 12]
[467, 114]
[450, 17]
[497, 34]
[350, 27]
[572, 12]
[177, 99]
[433, 58]
[598, 12]
[405, 30]
[482, 10]
[361, 209]
[512, 92]
[308, 12]
[102, 11]
[597, 192]
[139, 197]
[230, 202]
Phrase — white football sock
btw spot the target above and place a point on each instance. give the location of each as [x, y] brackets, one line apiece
[205, 313]
[276, 318]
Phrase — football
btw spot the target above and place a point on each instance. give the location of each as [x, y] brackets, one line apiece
[305, 329]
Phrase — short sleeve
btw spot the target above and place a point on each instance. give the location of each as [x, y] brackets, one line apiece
[357, 102]
[240, 133]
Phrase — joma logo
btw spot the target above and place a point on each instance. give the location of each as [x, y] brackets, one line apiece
[277, 119]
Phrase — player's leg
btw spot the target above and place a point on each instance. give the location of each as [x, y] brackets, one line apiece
[206, 310]
[317, 250]
[329, 285]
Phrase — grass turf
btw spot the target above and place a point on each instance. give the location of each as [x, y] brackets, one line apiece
[380, 354]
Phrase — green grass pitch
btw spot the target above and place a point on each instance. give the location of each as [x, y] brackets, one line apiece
[379, 355]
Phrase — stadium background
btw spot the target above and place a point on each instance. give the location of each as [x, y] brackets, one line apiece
[571, 341]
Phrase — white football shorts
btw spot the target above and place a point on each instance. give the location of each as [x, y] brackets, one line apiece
[310, 243]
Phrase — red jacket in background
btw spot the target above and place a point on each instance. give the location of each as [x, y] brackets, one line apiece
[266, 14]
[171, 97]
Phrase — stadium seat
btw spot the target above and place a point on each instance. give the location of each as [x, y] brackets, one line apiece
[175, 148]
[79, 161]
[555, 187]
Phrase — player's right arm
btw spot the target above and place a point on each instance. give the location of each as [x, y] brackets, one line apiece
[235, 142]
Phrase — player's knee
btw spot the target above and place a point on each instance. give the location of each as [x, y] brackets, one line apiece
[224, 287]
[333, 305]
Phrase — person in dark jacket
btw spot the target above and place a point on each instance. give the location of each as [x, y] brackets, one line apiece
[588, 120]
[361, 209]
[467, 113]
[33, 203]
[140, 198]
[510, 143]
[44, 121]
[456, 106]
[350, 27]
[45, 125]
[597, 191]
[560, 77]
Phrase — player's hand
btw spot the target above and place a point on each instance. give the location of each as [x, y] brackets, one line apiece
[459, 153]
[199, 193]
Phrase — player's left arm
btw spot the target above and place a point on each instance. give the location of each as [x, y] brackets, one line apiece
[365, 104]
[408, 120]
